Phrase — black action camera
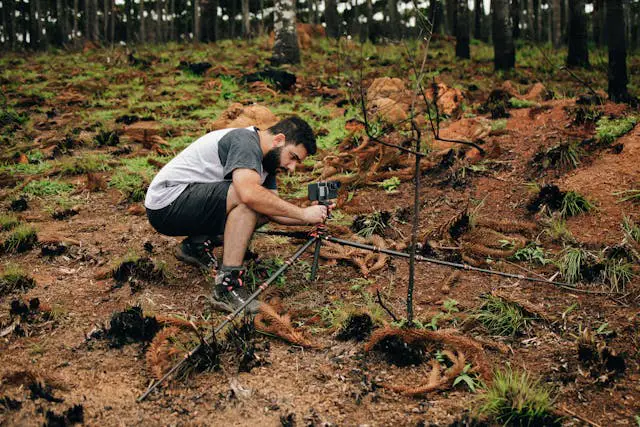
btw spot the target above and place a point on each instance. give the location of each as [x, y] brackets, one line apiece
[323, 191]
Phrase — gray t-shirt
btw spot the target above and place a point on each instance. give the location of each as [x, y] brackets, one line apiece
[211, 158]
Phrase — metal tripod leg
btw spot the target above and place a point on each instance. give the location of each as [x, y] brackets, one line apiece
[316, 257]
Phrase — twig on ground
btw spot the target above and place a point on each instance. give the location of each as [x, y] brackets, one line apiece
[393, 316]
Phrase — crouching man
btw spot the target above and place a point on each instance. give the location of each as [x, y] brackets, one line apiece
[220, 188]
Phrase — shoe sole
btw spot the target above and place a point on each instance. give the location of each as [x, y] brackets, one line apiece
[189, 259]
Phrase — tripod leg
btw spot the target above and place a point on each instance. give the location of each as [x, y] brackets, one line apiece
[316, 257]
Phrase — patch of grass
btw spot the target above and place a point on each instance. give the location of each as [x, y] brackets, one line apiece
[26, 168]
[631, 229]
[14, 279]
[88, 163]
[521, 103]
[565, 156]
[632, 195]
[516, 399]
[131, 185]
[570, 263]
[390, 185]
[8, 222]
[336, 132]
[574, 203]
[617, 273]
[608, 130]
[501, 317]
[498, 125]
[532, 253]
[22, 239]
[47, 187]
[557, 230]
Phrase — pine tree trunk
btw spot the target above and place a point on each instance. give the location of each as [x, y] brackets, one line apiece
[435, 15]
[537, 20]
[112, 22]
[596, 21]
[617, 52]
[530, 25]
[159, 35]
[367, 28]
[214, 20]
[61, 23]
[462, 29]
[196, 21]
[578, 55]
[11, 23]
[556, 23]
[128, 12]
[33, 25]
[5, 36]
[76, 10]
[246, 20]
[172, 21]
[331, 18]
[95, 30]
[394, 19]
[285, 47]
[142, 37]
[515, 18]
[478, 14]
[504, 50]
[105, 20]
[450, 6]
[261, 20]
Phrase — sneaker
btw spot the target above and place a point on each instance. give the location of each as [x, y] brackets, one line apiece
[198, 252]
[229, 290]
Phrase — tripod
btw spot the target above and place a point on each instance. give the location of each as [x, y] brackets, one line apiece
[316, 237]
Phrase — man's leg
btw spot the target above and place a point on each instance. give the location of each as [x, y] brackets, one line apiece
[241, 222]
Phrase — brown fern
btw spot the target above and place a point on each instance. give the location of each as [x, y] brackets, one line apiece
[161, 352]
[269, 321]
[507, 225]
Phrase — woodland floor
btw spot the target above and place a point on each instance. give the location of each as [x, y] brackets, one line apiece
[66, 100]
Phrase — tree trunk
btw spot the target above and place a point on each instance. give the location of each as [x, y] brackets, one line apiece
[196, 21]
[450, 6]
[617, 52]
[367, 29]
[76, 8]
[246, 19]
[331, 18]
[435, 15]
[285, 47]
[112, 21]
[462, 29]
[95, 27]
[394, 19]
[537, 20]
[530, 25]
[61, 23]
[33, 25]
[105, 20]
[556, 23]
[578, 55]
[515, 18]
[504, 50]
[142, 37]
[478, 14]
[128, 12]
[172, 21]
[11, 23]
[159, 22]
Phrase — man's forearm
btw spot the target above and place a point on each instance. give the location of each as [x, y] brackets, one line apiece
[286, 220]
[267, 203]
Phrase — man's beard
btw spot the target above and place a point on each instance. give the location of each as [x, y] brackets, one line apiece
[271, 161]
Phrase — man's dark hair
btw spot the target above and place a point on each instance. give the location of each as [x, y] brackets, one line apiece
[296, 131]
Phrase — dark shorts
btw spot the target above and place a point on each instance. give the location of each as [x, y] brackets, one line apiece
[201, 209]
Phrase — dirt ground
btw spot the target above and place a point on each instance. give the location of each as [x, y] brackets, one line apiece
[334, 382]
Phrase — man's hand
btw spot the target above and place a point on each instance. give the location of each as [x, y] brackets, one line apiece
[316, 214]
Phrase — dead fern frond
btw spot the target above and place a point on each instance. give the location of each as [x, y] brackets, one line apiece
[436, 380]
[453, 278]
[507, 225]
[161, 352]
[269, 321]
[477, 249]
[527, 306]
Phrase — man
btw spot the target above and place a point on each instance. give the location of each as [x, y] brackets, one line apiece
[224, 184]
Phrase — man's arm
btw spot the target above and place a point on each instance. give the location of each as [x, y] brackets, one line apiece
[246, 183]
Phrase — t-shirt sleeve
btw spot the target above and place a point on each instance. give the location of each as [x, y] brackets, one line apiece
[242, 151]
[270, 182]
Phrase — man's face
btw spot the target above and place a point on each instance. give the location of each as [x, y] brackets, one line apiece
[284, 158]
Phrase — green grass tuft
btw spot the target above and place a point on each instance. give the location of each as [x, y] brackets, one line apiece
[88, 163]
[14, 279]
[501, 317]
[131, 185]
[8, 222]
[574, 204]
[521, 103]
[47, 187]
[515, 399]
[631, 229]
[22, 239]
[608, 130]
[570, 263]
[532, 253]
[617, 273]
[632, 195]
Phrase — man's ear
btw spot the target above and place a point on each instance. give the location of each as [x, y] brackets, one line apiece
[279, 140]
